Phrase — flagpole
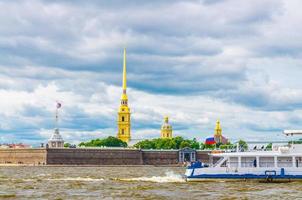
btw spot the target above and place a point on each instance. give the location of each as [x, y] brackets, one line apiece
[56, 117]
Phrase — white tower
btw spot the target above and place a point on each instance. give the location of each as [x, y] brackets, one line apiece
[56, 140]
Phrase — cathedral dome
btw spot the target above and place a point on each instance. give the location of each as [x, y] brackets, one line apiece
[166, 124]
[166, 129]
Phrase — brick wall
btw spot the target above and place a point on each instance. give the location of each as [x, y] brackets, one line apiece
[160, 157]
[93, 156]
[87, 156]
[23, 156]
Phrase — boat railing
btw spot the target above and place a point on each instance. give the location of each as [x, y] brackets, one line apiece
[218, 162]
[267, 164]
[248, 164]
[285, 164]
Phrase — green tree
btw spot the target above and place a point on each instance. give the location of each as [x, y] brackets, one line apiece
[217, 145]
[113, 142]
[107, 142]
[82, 144]
[66, 145]
[202, 146]
[145, 144]
[209, 146]
[269, 147]
[184, 144]
[178, 141]
[296, 141]
[167, 143]
[243, 144]
[195, 144]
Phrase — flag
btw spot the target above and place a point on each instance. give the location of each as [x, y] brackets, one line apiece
[210, 141]
[59, 105]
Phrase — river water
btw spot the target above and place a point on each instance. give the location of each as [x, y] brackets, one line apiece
[129, 183]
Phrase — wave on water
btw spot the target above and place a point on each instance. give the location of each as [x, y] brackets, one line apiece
[75, 179]
[170, 177]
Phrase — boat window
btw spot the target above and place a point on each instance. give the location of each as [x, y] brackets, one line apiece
[266, 162]
[284, 162]
[298, 162]
[248, 162]
[224, 164]
[217, 161]
[233, 161]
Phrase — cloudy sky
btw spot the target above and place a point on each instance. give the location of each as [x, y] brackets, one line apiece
[195, 61]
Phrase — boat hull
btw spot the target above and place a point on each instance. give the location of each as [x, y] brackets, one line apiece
[268, 174]
[243, 177]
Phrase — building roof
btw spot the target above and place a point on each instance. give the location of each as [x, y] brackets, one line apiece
[56, 137]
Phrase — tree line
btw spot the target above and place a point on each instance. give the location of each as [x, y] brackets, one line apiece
[159, 143]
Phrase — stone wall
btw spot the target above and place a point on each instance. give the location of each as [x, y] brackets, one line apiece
[23, 156]
[93, 156]
[203, 156]
[160, 157]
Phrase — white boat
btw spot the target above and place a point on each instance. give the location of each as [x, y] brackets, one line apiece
[281, 163]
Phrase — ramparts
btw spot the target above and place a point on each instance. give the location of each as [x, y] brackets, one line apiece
[93, 156]
[23, 156]
[96, 156]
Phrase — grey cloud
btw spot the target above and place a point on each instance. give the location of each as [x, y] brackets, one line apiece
[194, 48]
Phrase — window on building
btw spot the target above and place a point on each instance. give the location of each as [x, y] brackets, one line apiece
[123, 118]
[123, 131]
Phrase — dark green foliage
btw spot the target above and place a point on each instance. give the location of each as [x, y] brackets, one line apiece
[167, 143]
[184, 144]
[66, 145]
[243, 144]
[106, 142]
[227, 146]
[296, 141]
[269, 146]
[208, 146]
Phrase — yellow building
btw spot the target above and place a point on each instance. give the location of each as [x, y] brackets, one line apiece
[166, 129]
[218, 134]
[124, 121]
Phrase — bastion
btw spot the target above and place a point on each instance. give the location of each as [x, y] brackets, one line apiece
[99, 156]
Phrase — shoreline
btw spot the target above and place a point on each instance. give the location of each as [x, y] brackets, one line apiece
[19, 165]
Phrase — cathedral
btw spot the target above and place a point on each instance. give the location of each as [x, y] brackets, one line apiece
[123, 120]
[218, 137]
[166, 129]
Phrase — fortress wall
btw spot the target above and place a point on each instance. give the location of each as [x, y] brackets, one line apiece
[160, 157]
[203, 156]
[93, 156]
[81, 156]
[23, 156]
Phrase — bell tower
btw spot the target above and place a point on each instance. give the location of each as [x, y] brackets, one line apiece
[123, 120]
[217, 133]
[166, 129]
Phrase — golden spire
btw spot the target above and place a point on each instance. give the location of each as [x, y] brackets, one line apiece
[124, 73]
[218, 128]
[124, 97]
[124, 120]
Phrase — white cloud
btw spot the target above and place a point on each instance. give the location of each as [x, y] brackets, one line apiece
[195, 61]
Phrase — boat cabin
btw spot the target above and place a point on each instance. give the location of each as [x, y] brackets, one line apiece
[283, 157]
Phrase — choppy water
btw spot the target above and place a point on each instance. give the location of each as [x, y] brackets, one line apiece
[129, 183]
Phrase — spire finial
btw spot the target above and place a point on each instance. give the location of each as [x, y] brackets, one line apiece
[166, 119]
[218, 128]
[124, 73]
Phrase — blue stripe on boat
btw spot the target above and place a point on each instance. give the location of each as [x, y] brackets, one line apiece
[244, 176]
